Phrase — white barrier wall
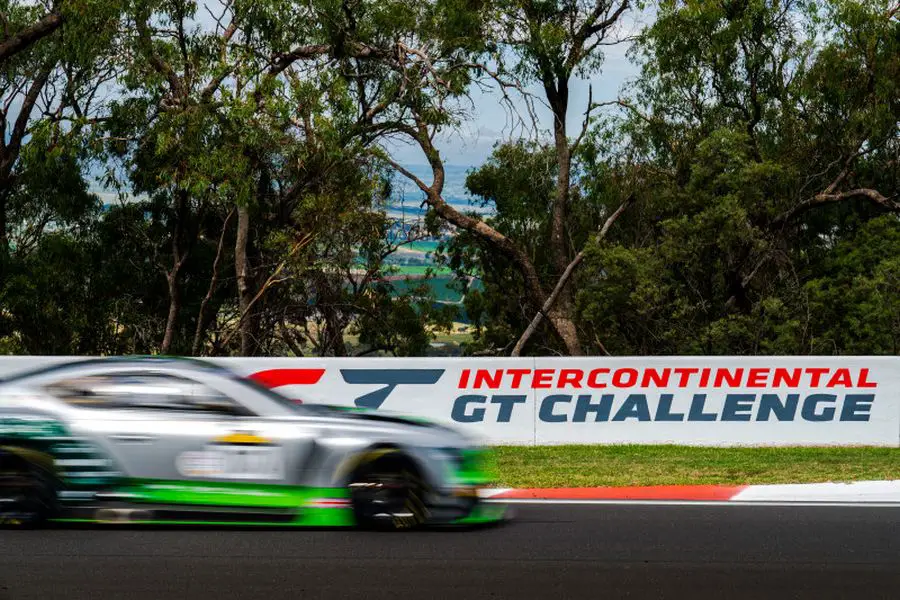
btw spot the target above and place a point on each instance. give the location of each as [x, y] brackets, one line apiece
[722, 401]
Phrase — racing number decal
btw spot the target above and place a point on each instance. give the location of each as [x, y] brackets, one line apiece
[252, 462]
[238, 456]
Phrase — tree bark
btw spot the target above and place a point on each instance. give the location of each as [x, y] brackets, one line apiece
[10, 150]
[4, 239]
[536, 296]
[559, 99]
[564, 279]
[204, 317]
[562, 316]
[31, 34]
[174, 307]
[173, 277]
[242, 271]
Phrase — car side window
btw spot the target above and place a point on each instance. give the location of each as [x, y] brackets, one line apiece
[145, 391]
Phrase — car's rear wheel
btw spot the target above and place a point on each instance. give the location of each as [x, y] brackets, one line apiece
[388, 494]
[27, 495]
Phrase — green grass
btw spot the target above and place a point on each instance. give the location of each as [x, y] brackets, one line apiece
[453, 338]
[587, 466]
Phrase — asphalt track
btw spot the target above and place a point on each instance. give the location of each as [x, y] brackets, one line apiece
[550, 551]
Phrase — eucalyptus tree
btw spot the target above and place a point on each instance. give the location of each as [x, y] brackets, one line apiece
[52, 74]
[767, 136]
[232, 123]
[55, 65]
[408, 68]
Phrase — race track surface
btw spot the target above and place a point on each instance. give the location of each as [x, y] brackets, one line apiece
[550, 551]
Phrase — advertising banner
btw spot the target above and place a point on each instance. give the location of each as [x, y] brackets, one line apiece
[714, 401]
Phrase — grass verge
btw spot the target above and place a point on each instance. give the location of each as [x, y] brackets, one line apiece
[589, 466]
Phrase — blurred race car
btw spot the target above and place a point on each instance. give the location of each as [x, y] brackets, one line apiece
[180, 441]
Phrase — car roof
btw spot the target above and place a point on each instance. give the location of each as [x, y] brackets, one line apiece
[137, 361]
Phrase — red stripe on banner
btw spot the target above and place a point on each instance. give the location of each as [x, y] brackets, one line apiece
[660, 492]
[274, 378]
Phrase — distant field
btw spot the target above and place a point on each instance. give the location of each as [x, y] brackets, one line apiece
[442, 286]
[424, 246]
[420, 270]
[589, 466]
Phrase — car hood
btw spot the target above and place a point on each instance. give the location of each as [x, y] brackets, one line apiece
[356, 415]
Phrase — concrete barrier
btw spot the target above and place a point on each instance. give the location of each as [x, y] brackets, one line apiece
[714, 401]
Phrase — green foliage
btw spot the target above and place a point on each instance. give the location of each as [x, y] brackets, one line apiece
[745, 115]
[746, 119]
[854, 302]
[760, 144]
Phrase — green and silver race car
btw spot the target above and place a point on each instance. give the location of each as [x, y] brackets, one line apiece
[178, 441]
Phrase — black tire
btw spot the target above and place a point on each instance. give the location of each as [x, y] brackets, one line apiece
[388, 494]
[27, 493]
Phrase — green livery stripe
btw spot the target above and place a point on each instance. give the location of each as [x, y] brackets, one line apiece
[334, 511]
[228, 494]
[79, 463]
[315, 518]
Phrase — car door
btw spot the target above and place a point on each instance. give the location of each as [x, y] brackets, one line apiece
[168, 427]
[257, 443]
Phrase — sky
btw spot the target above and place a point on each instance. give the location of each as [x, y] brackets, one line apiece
[489, 120]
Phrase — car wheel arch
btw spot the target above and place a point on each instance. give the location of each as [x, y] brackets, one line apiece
[27, 456]
[376, 452]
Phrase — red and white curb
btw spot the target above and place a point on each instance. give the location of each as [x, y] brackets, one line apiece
[873, 493]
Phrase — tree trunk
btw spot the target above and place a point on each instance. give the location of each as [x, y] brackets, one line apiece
[565, 326]
[558, 240]
[174, 307]
[562, 316]
[11, 148]
[173, 277]
[333, 334]
[563, 280]
[242, 271]
[4, 239]
[535, 294]
[476, 227]
[205, 316]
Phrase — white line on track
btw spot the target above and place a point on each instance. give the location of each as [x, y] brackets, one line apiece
[696, 503]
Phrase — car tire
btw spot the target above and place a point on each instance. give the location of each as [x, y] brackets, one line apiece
[388, 494]
[27, 494]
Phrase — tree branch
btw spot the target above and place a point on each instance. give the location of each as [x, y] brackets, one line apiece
[587, 120]
[592, 27]
[272, 280]
[31, 34]
[874, 196]
[609, 21]
[564, 279]
[158, 64]
[213, 282]
[20, 128]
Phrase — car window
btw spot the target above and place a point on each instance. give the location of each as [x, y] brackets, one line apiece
[145, 391]
[271, 395]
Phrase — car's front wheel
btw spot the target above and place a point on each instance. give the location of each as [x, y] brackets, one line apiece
[388, 494]
[27, 495]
